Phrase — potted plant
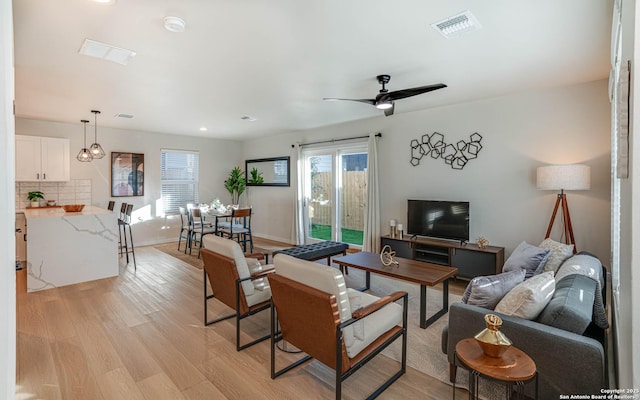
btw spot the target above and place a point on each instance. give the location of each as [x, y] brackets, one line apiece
[35, 197]
[235, 184]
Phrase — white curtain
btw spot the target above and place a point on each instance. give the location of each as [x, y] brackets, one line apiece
[371, 240]
[298, 192]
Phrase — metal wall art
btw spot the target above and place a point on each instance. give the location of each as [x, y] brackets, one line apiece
[457, 155]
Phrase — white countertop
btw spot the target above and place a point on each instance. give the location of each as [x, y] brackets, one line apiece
[33, 213]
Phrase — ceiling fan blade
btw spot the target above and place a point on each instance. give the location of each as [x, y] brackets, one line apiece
[401, 94]
[368, 101]
[389, 111]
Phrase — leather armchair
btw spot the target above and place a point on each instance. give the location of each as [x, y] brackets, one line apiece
[338, 326]
[237, 280]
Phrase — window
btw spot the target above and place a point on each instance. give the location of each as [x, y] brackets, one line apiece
[178, 178]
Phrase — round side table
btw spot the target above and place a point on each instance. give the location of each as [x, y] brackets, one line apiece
[513, 368]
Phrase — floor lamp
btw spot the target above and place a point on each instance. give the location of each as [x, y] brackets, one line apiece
[563, 177]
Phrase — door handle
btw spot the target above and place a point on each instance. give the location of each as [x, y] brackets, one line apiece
[38, 175]
[44, 176]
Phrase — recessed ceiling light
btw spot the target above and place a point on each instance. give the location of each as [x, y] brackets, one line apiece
[106, 51]
[249, 118]
[174, 24]
[457, 24]
[203, 128]
[105, 1]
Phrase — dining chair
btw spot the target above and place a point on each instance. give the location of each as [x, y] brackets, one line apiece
[199, 229]
[313, 310]
[185, 229]
[190, 207]
[241, 232]
[237, 280]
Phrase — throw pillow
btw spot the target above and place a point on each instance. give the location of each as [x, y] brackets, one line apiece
[529, 298]
[582, 264]
[487, 291]
[528, 257]
[558, 253]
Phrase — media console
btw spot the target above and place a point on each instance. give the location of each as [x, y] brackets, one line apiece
[470, 259]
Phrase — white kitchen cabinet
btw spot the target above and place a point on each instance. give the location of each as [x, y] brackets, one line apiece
[40, 159]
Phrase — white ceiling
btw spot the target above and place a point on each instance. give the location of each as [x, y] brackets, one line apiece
[275, 60]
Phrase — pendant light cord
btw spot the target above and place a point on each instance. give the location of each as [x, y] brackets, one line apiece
[84, 121]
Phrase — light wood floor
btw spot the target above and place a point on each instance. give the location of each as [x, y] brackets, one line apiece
[141, 336]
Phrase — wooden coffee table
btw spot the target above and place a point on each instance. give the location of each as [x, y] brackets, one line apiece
[422, 273]
[513, 368]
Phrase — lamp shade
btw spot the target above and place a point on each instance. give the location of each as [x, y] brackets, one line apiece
[564, 177]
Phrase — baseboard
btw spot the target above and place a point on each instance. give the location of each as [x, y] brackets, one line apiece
[154, 242]
[266, 237]
[274, 238]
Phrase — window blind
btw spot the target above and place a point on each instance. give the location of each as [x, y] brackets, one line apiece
[179, 173]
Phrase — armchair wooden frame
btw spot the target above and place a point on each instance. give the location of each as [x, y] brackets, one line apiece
[231, 295]
[315, 328]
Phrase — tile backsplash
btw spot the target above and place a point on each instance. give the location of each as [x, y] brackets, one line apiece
[75, 191]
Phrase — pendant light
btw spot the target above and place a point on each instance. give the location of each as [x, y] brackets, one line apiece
[85, 154]
[96, 149]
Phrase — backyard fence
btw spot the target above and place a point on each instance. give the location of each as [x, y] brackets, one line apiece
[352, 201]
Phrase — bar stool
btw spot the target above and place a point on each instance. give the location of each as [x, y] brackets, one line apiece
[126, 222]
[121, 217]
[111, 205]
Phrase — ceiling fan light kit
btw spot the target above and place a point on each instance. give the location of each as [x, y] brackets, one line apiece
[385, 100]
[384, 105]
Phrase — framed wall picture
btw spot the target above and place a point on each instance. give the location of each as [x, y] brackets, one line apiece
[127, 174]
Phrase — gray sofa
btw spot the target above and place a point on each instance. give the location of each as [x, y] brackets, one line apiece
[570, 355]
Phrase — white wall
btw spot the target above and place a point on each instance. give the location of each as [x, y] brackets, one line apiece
[7, 209]
[217, 158]
[520, 132]
[628, 293]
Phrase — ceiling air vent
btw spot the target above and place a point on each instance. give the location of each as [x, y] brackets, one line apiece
[106, 51]
[124, 115]
[456, 25]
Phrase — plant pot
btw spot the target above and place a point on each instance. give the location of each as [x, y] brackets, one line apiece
[35, 203]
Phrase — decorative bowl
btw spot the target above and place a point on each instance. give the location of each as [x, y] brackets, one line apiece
[73, 207]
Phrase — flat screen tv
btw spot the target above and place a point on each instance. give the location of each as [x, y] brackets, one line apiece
[438, 219]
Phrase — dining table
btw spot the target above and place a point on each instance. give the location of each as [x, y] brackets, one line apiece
[217, 214]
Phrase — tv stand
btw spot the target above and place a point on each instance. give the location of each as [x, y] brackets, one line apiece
[470, 259]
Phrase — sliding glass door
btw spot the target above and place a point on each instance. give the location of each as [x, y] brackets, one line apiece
[335, 193]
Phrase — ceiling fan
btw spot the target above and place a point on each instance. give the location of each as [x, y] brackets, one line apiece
[385, 99]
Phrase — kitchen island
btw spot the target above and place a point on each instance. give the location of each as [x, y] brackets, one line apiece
[64, 248]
